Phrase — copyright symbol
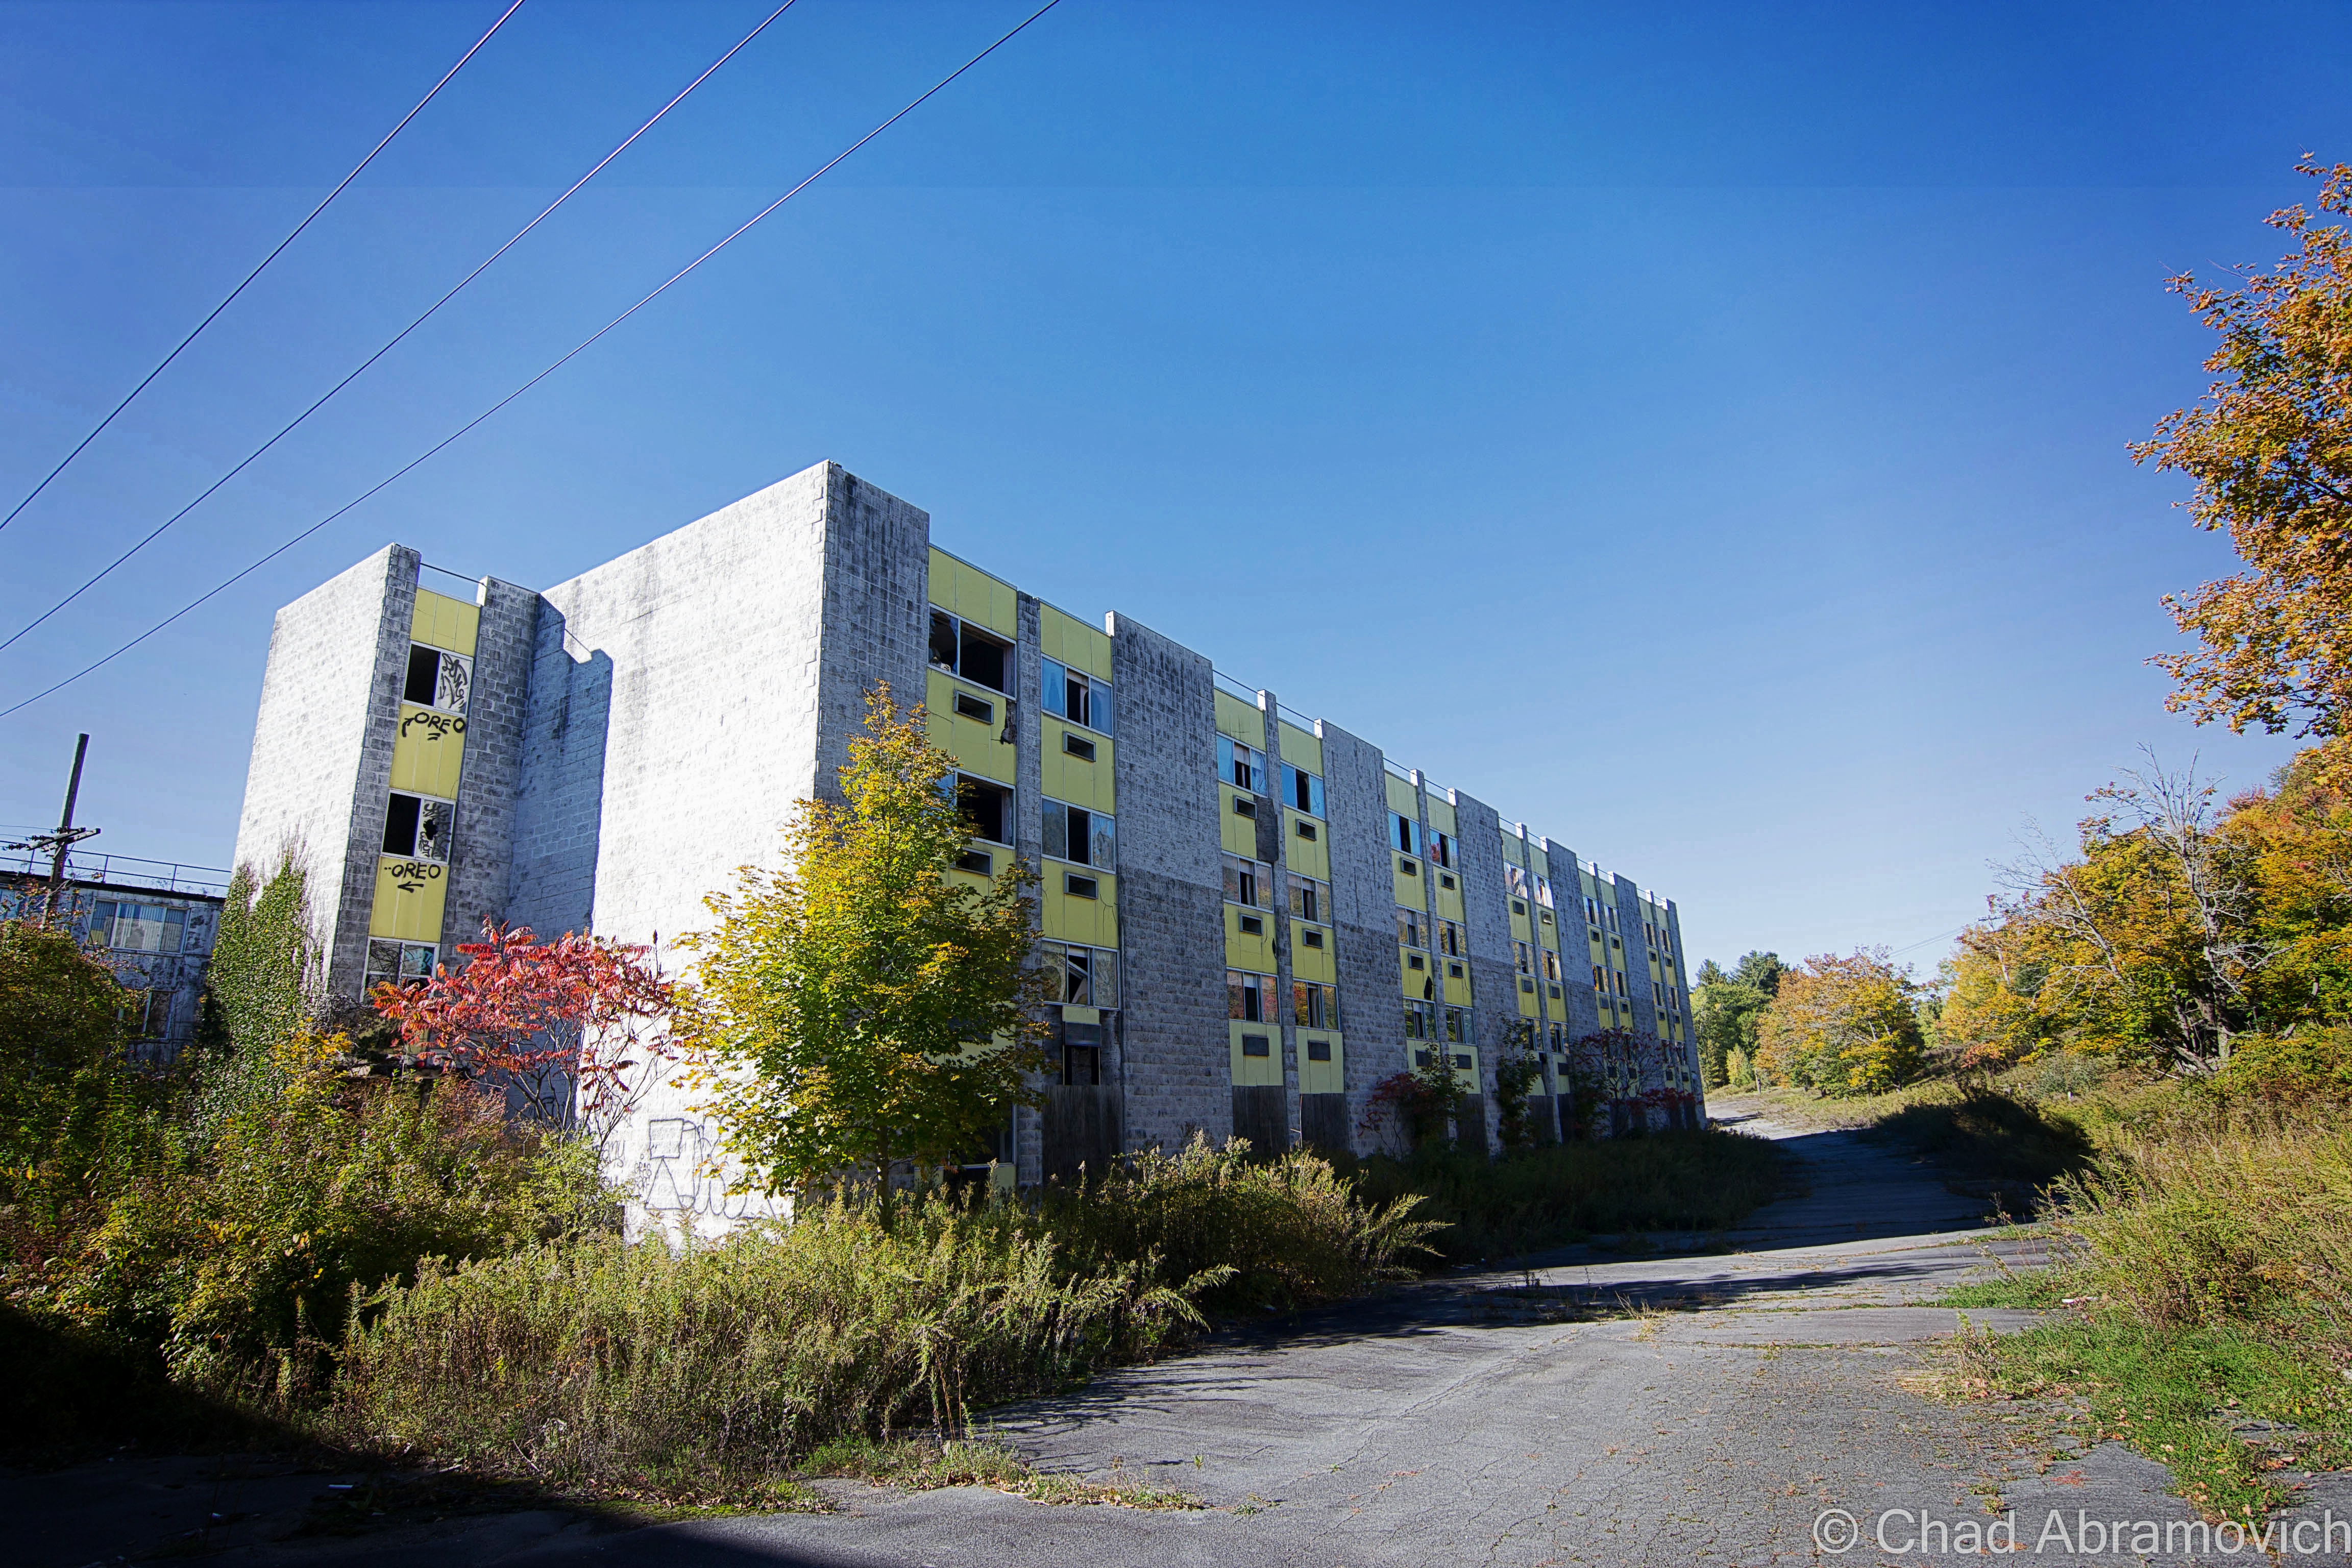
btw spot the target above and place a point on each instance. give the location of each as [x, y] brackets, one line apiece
[1834, 1529]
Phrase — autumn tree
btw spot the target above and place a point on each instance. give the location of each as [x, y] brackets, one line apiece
[570, 1028]
[865, 1006]
[1843, 1024]
[2269, 448]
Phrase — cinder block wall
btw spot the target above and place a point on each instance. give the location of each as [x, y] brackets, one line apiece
[1171, 892]
[481, 858]
[1363, 906]
[1493, 978]
[322, 759]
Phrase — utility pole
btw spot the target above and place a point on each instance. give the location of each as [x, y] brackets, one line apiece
[67, 835]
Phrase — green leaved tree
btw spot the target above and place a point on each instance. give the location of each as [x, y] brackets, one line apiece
[865, 1006]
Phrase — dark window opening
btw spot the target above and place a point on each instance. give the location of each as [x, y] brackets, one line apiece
[400, 825]
[1251, 925]
[1528, 986]
[1463, 1062]
[1256, 1045]
[1408, 867]
[1314, 938]
[1082, 750]
[987, 808]
[1244, 806]
[1445, 881]
[1318, 1051]
[1455, 970]
[1078, 887]
[1082, 1066]
[978, 860]
[1304, 830]
[968, 651]
[972, 706]
[423, 676]
[1412, 961]
[943, 639]
[1517, 908]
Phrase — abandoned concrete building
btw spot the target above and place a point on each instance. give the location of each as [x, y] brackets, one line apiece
[1252, 917]
[152, 923]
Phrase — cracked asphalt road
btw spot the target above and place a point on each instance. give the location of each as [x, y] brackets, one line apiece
[1487, 1419]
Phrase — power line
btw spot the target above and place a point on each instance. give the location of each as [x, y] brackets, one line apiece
[289, 427]
[581, 347]
[165, 364]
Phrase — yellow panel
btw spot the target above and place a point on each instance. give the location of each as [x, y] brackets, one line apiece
[1547, 929]
[1514, 851]
[1254, 954]
[1299, 749]
[1409, 890]
[974, 594]
[1456, 992]
[1322, 1078]
[1555, 1007]
[1238, 834]
[408, 899]
[1256, 1072]
[1449, 899]
[1072, 642]
[1417, 986]
[1464, 1078]
[428, 752]
[1312, 963]
[1441, 816]
[1074, 779]
[1403, 799]
[1243, 722]
[1530, 1002]
[1308, 857]
[444, 622]
[1521, 931]
[973, 744]
[973, 879]
[1091, 921]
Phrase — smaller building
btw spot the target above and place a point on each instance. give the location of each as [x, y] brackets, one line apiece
[151, 921]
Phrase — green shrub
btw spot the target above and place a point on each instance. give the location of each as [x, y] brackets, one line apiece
[241, 1257]
[1981, 1131]
[1291, 1230]
[710, 1372]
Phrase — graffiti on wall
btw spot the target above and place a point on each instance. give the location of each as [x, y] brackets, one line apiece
[677, 1174]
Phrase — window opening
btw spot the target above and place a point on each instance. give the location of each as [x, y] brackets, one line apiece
[1410, 928]
[1256, 1045]
[1078, 747]
[1250, 996]
[1249, 882]
[138, 928]
[961, 649]
[1078, 887]
[1305, 790]
[1314, 1006]
[1076, 695]
[1074, 833]
[972, 707]
[438, 679]
[418, 826]
[1318, 1051]
[1404, 831]
[1244, 767]
[1310, 900]
[400, 962]
[1304, 830]
[1312, 937]
[986, 807]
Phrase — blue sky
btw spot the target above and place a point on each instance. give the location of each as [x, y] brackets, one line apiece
[1700, 433]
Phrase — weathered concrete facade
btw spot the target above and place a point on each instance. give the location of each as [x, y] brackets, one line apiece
[630, 737]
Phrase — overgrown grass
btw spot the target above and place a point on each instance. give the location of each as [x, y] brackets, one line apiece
[1562, 1193]
[718, 1373]
[1978, 1131]
[2211, 1283]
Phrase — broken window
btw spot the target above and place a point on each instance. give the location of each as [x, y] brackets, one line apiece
[1250, 996]
[987, 807]
[1310, 900]
[1522, 959]
[418, 826]
[1514, 878]
[1411, 926]
[1543, 894]
[400, 962]
[1457, 1030]
[1550, 966]
[980, 657]
[1314, 1006]
[1450, 939]
[1419, 1024]
[1404, 832]
[1244, 767]
[1074, 833]
[438, 679]
[138, 928]
[1079, 976]
[1076, 695]
[1249, 882]
[1305, 790]
[1440, 849]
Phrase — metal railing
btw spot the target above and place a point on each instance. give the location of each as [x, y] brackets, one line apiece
[121, 870]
